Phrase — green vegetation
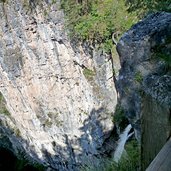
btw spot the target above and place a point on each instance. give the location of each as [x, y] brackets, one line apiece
[53, 118]
[3, 109]
[48, 123]
[31, 5]
[51, 114]
[138, 77]
[58, 122]
[166, 58]
[39, 167]
[21, 164]
[82, 111]
[128, 162]
[119, 117]
[95, 21]
[89, 74]
[148, 6]
[17, 132]
[163, 53]
[132, 160]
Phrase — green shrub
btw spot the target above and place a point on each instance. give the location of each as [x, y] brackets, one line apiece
[48, 123]
[89, 74]
[148, 6]
[119, 117]
[3, 109]
[166, 58]
[96, 21]
[39, 167]
[138, 77]
[129, 162]
[21, 164]
[163, 53]
[17, 132]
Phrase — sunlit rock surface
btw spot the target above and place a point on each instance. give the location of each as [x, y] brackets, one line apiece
[60, 101]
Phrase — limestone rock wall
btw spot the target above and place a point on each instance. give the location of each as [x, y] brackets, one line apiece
[60, 101]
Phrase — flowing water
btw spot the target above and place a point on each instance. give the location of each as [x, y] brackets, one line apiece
[124, 136]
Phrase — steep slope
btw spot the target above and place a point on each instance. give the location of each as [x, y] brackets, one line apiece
[145, 82]
[60, 101]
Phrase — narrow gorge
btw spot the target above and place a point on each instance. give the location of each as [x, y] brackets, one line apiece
[68, 105]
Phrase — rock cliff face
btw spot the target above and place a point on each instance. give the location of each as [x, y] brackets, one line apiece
[57, 101]
[60, 101]
[144, 82]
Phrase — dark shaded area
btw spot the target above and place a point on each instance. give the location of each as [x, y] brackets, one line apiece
[93, 126]
[17, 155]
[9, 162]
[93, 150]
[13, 155]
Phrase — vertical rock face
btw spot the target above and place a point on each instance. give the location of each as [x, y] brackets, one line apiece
[145, 81]
[60, 101]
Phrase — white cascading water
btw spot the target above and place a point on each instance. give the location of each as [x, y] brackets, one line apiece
[121, 143]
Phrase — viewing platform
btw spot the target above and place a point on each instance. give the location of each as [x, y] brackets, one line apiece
[162, 162]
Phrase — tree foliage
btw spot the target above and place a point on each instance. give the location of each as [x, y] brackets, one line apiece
[97, 20]
[147, 6]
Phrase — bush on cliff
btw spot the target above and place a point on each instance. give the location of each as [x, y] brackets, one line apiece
[95, 21]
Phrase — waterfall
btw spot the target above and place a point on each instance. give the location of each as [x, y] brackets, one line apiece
[124, 136]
